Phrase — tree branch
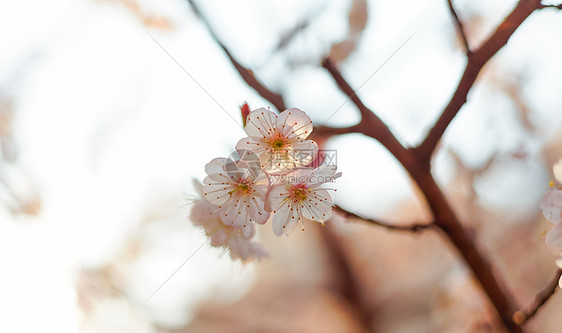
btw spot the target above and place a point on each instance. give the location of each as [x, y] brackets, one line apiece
[460, 27]
[444, 216]
[246, 74]
[370, 125]
[416, 227]
[476, 62]
[417, 161]
[522, 316]
[552, 6]
[345, 87]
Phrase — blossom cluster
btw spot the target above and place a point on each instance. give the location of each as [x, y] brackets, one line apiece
[268, 178]
[551, 207]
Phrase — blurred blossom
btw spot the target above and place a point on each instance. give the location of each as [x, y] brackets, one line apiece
[236, 239]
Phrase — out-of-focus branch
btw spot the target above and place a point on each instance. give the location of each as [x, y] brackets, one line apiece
[246, 74]
[552, 6]
[345, 87]
[460, 27]
[370, 124]
[347, 282]
[476, 62]
[444, 216]
[522, 316]
[416, 227]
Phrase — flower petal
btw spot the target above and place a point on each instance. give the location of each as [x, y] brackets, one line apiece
[215, 192]
[294, 123]
[215, 169]
[251, 144]
[554, 239]
[260, 123]
[318, 206]
[303, 152]
[280, 220]
[278, 195]
[551, 205]
[257, 210]
[321, 175]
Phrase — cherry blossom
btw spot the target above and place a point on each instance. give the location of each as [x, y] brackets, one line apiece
[300, 196]
[237, 240]
[279, 140]
[238, 188]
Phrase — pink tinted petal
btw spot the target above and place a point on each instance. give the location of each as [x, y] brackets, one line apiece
[260, 123]
[249, 231]
[257, 210]
[554, 238]
[294, 123]
[215, 169]
[304, 152]
[201, 212]
[258, 251]
[280, 220]
[293, 222]
[219, 238]
[318, 206]
[249, 144]
[215, 192]
[551, 206]
[321, 175]
[278, 196]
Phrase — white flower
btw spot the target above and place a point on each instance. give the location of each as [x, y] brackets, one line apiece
[279, 140]
[238, 187]
[300, 196]
[551, 204]
[237, 240]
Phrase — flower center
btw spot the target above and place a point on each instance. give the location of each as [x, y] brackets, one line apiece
[278, 144]
[242, 187]
[299, 194]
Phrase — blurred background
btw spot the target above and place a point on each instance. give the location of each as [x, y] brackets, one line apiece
[101, 133]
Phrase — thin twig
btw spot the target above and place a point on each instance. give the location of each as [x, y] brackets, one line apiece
[474, 65]
[246, 74]
[460, 27]
[416, 227]
[523, 316]
[345, 87]
[552, 6]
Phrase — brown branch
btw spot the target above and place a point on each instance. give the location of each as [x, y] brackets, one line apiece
[460, 27]
[370, 124]
[345, 87]
[444, 216]
[476, 62]
[417, 161]
[522, 316]
[246, 74]
[416, 227]
[552, 6]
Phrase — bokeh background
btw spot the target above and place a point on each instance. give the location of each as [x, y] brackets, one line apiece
[101, 133]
